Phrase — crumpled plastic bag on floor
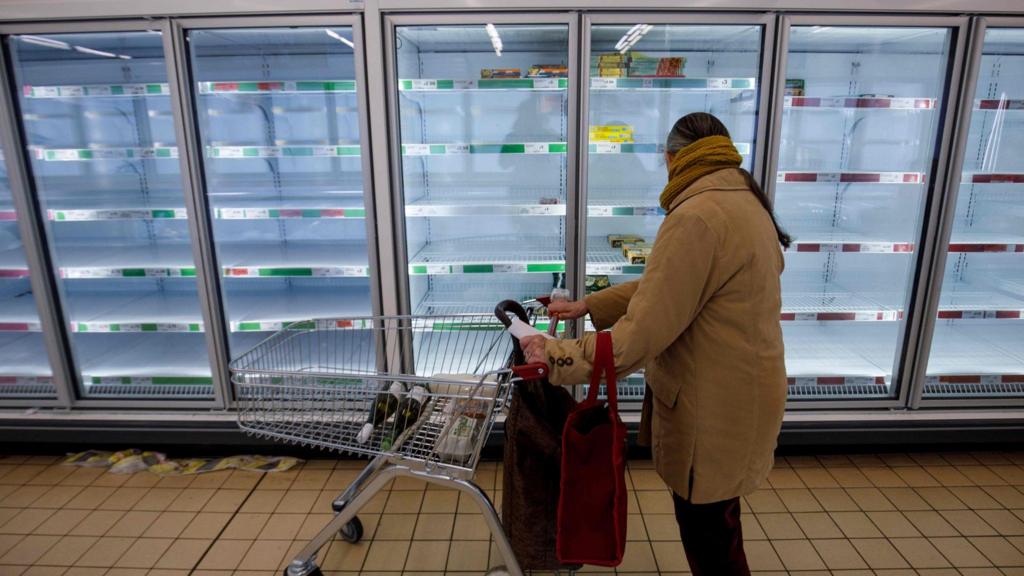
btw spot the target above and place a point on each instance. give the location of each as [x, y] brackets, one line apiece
[131, 461]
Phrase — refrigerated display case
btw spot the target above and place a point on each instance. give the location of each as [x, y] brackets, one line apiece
[485, 176]
[96, 114]
[861, 112]
[643, 76]
[279, 123]
[24, 365]
[977, 347]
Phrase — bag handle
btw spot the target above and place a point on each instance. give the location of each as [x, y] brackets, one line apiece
[604, 365]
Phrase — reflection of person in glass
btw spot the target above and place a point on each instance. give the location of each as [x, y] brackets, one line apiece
[703, 321]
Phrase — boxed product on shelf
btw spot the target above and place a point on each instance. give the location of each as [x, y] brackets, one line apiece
[794, 87]
[596, 283]
[548, 71]
[641, 65]
[616, 240]
[627, 246]
[611, 133]
[638, 254]
[487, 73]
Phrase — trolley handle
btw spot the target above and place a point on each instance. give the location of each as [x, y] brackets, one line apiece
[536, 371]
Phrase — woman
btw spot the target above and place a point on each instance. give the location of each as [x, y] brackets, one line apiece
[703, 321]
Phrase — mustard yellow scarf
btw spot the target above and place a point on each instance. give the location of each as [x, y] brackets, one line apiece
[696, 160]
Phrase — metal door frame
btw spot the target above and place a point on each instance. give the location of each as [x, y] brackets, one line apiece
[911, 325]
[196, 167]
[391, 23]
[980, 25]
[37, 257]
[74, 394]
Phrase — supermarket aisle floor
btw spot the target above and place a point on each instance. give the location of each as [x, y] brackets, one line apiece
[890, 514]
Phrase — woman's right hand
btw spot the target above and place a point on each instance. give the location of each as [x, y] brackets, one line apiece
[568, 310]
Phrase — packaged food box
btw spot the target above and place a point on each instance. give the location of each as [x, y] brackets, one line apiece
[638, 255]
[794, 87]
[500, 73]
[627, 246]
[596, 283]
[616, 240]
[612, 72]
[548, 71]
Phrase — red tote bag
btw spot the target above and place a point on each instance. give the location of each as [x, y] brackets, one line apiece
[592, 504]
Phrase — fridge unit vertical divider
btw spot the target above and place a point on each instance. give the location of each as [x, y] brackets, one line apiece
[44, 286]
[183, 108]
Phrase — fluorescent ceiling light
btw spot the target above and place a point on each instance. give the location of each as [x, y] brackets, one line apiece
[339, 38]
[94, 52]
[48, 42]
[630, 38]
[495, 38]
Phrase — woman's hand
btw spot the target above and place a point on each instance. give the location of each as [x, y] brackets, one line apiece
[568, 310]
[534, 350]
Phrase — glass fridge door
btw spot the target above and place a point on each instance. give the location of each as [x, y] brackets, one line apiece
[100, 133]
[643, 78]
[978, 342]
[24, 365]
[279, 123]
[859, 126]
[484, 126]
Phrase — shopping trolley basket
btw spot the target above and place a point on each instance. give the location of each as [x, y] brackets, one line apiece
[417, 394]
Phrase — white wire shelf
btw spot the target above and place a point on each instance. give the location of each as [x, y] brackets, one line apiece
[140, 312]
[683, 84]
[129, 90]
[979, 241]
[828, 350]
[489, 255]
[277, 87]
[657, 148]
[18, 313]
[272, 310]
[127, 366]
[104, 153]
[849, 177]
[477, 297]
[860, 103]
[106, 208]
[447, 86]
[989, 350]
[505, 148]
[23, 362]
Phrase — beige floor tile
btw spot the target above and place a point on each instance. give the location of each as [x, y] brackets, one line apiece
[1012, 474]
[144, 479]
[816, 478]
[145, 553]
[655, 502]
[982, 475]
[883, 477]
[311, 479]
[879, 553]
[282, 527]
[870, 499]
[644, 479]
[390, 555]
[636, 529]
[803, 461]
[670, 557]
[931, 524]
[278, 480]
[24, 496]
[798, 555]
[427, 555]
[949, 476]
[183, 554]
[299, 502]
[29, 549]
[8, 513]
[133, 524]
[940, 498]
[818, 525]
[23, 474]
[764, 501]
[211, 480]
[225, 554]
[968, 523]
[663, 527]
[905, 499]
[53, 475]
[1003, 521]
[915, 476]
[893, 524]
[835, 460]
[206, 525]
[960, 552]
[192, 499]
[105, 552]
[312, 525]
[919, 552]
[897, 459]
[838, 554]
[265, 501]
[991, 572]
[340, 479]
[784, 478]
[57, 496]
[264, 555]
[242, 480]
[751, 528]
[1008, 496]
[998, 550]
[639, 557]
[91, 497]
[67, 550]
[856, 525]
[61, 522]
[124, 498]
[110, 480]
[761, 556]
[169, 525]
[7, 541]
[26, 521]
[484, 478]
[245, 526]
[975, 497]
[470, 527]
[780, 526]
[434, 527]
[396, 527]
[440, 501]
[97, 523]
[342, 556]
[226, 500]
[405, 502]
[834, 499]
[798, 500]
[850, 477]
[45, 571]
[82, 476]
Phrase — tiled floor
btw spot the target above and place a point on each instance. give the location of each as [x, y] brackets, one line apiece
[896, 514]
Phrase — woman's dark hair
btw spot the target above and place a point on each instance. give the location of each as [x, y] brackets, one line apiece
[697, 125]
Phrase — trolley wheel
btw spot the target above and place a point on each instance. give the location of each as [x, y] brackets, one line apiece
[352, 532]
[499, 571]
[314, 572]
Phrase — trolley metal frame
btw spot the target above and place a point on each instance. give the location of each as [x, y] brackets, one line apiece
[316, 383]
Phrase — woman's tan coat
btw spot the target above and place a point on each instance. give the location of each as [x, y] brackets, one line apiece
[703, 321]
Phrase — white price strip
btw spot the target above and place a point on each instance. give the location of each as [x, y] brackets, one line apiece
[455, 148]
[439, 269]
[228, 152]
[805, 316]
[830, 177]
[607, 147]
[418, 84]
[603, 83]
[535, 148]
[464, 84]
[545, 83]
[599, 211]
[719, 83]
[417, 149]
[509, 268]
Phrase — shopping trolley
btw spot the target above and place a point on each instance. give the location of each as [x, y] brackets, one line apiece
[320, 383]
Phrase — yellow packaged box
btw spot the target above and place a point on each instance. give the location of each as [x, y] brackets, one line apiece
[627, 246]
[638, 255]
[616, 240]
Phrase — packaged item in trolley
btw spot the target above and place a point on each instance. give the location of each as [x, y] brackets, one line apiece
[383, 407]
[487, 73]
[458, 439]
[407, 413]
